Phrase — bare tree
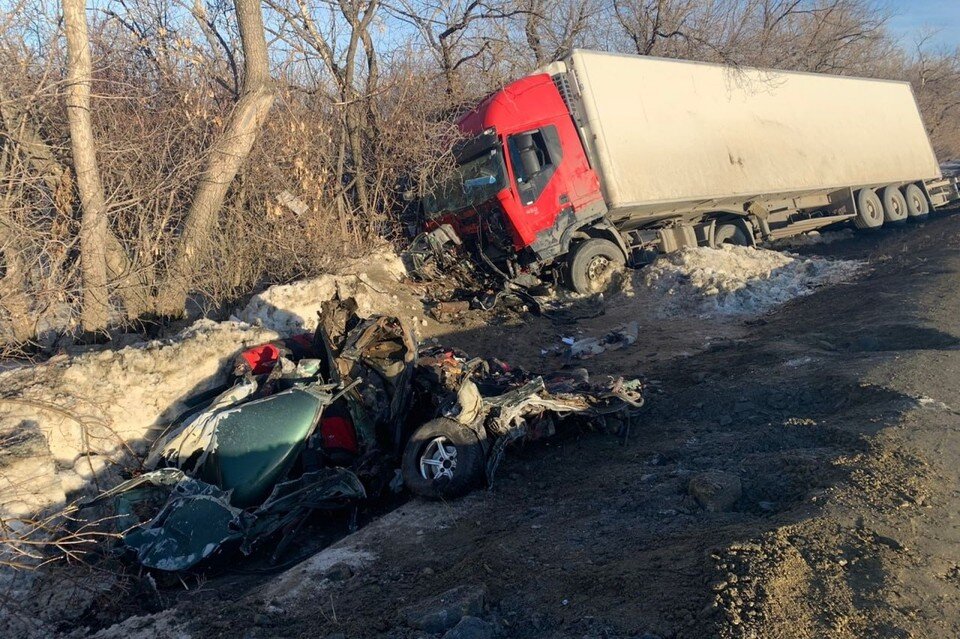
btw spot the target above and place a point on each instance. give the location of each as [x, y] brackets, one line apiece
[935, 76]
[95, 310]
[227, 155]
[552, 28]
[452, 31]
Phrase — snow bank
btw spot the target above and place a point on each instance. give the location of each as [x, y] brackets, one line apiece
[292, 308]
[93, 409]
[736, 280]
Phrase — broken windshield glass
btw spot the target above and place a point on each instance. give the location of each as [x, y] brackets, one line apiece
[470, 184]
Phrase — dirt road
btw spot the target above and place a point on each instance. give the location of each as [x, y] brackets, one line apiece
[839, 414]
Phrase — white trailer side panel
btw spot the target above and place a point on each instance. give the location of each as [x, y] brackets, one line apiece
[668, 131]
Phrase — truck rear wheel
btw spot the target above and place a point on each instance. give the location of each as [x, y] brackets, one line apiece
[869, 210]
[730, 233]
[593, 264]
[894, 205]
[917, 205]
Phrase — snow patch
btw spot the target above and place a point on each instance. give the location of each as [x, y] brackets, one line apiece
[292, 308]
[735, 280]
[94, 409]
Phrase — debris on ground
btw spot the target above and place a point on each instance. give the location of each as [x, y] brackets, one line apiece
[458, 280]
[736, 280]
[446, 610]
[716, 491]
[619, 337]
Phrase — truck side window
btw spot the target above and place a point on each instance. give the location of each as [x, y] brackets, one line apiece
[534, 156]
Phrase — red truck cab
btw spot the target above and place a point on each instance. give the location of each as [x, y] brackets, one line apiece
[523, 175]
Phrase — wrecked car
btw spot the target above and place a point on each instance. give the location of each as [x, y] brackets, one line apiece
[329, 420]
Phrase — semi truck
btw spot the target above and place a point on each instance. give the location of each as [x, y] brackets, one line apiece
[601, 160]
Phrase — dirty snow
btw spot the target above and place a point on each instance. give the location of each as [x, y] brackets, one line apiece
[306, 582]
[292, 308]
[735, 280]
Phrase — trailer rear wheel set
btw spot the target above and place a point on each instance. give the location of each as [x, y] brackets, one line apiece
[892, 205]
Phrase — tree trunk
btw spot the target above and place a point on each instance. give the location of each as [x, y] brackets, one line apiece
[131, 286]
[95, 308]
[226, 157]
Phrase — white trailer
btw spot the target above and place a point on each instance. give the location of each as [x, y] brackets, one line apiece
[772, 153]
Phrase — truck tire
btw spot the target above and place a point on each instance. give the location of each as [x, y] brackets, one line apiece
[592, 263]
[729, 233]
[869, 210]
[442, 460]
[917, 205]
[894, 205]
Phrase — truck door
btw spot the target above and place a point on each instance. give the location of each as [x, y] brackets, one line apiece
[535, 157]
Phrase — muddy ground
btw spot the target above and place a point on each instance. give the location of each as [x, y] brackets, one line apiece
[838, 413]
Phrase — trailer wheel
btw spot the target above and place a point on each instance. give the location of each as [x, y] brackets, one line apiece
[442, 460]
[917, 205]
[592, 265]
[729, 233]
[869, 210]
[894, 205]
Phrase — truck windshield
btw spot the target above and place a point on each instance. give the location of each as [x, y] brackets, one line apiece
[473, 182]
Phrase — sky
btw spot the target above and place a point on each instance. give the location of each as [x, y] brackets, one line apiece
[913, 16]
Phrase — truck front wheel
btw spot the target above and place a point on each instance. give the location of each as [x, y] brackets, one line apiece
[869, 210]
[593, 264]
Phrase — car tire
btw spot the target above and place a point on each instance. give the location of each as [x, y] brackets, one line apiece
[592, 263]
[730, 233]
[917, 204]
[461, 462]
[869, 210]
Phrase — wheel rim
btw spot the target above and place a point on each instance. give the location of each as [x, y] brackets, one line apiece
[872, 211]
[438, 459]
[597, 267]
[917, 204]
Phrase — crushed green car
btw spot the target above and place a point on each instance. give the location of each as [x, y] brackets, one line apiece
[330, 420]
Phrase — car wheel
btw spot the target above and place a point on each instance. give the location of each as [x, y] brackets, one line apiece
[442, 460]
[593, 264]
